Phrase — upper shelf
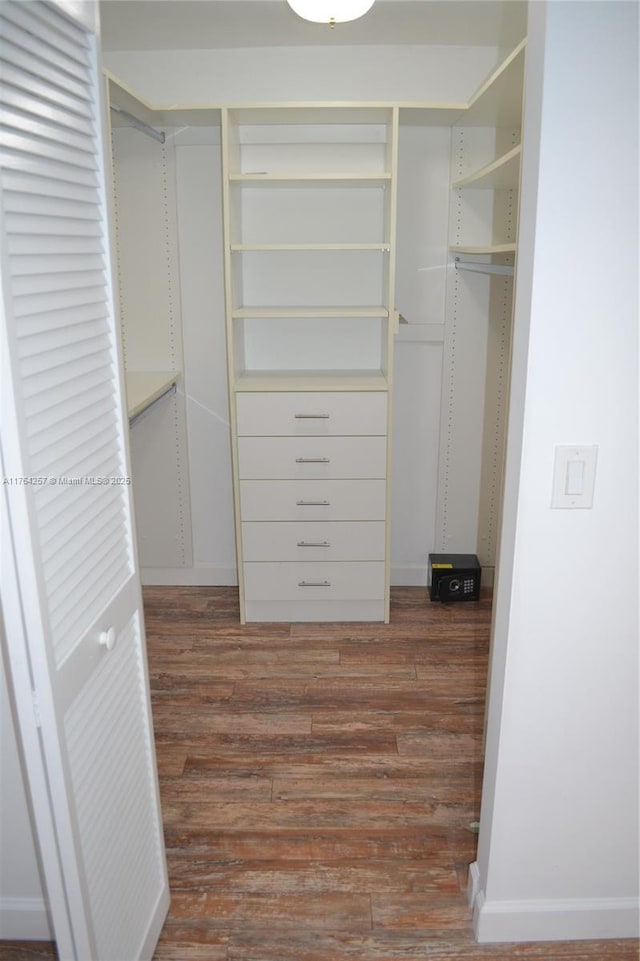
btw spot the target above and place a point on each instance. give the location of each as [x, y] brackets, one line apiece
[497, 102]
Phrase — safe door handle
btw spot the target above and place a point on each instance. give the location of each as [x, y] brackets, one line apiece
[313, 460]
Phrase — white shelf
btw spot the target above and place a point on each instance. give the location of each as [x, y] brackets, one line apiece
[274, 313]
[498, 102]
[293, 179]
[486, 249]
[501, 174]
[145, 387]
[239, 248]
[311, 380]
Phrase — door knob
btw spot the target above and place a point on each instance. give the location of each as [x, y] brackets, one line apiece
[108, 638]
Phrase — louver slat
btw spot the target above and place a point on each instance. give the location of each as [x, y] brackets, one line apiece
[75, 580]
[60, 300]
[32, 126]
[43, 206]
[28, 265]
[57, 528]
[63, 442]
[67, 465]
[42, 70]
[51, 320]
[64, 383]
[27, 164]
[84, 528]
[26, 246]
[23, 38]
[41, 426]
[37, 88]
[23, 103]
[44, 340]
[28, 183]
[47, 149]
[36, 18]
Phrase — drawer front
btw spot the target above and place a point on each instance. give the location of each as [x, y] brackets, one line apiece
[314, 581]
[312, 457]
[312, 413]
[312, 500]
[313, 541]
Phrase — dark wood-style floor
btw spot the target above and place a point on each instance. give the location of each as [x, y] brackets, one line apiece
[321, 784]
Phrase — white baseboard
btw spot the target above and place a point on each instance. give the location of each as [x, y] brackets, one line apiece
[579, 919]
[24, 919]
[190, 576]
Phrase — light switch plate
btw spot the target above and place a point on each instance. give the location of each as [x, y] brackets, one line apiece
[574, 477]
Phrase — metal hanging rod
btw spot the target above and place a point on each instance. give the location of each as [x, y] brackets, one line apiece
[140, 124]
[504, 269]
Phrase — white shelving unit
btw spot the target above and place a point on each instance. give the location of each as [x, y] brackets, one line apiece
[309, 199]
[308, 207]
[145, 257]
[485, 166]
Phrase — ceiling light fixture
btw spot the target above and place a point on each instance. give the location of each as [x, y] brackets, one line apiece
[330, 11]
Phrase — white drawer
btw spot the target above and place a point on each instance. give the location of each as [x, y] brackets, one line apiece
[314, 581]
[312, 413]
[313, 541]
[312, 500]
[312, 457]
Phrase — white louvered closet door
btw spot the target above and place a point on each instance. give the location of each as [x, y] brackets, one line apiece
[70, 588]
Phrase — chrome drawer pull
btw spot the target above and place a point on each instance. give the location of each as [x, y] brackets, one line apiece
[313, 503]
[314, 583]
[314, 544]
[312, 416]
[313, 460]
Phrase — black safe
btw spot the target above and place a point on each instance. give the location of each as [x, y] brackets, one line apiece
[454, 577]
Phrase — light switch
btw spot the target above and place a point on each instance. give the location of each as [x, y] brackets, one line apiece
[574, 477]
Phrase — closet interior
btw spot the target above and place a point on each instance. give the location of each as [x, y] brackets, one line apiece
[297, 377]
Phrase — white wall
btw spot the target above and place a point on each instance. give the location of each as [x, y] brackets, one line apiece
[23, 911]
[558, 851]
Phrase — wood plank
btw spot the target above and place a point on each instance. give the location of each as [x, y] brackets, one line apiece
[319, 844]
[348, 912]
[267, 877]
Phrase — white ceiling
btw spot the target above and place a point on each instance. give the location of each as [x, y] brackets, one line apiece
[206, 24]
